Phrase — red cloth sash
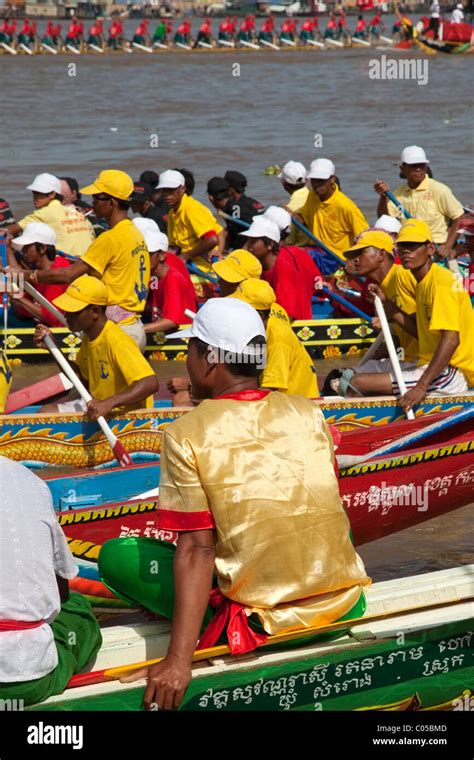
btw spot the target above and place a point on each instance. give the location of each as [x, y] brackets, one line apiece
[19, 625]
[231, 616]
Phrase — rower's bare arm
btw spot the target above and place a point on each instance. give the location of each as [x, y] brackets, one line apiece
[381, 187]
[168, 680]
[161, 325]
[448, 343]
[65, 275]
[14, 229]
[406, 321]
[203, 247]
[136, 392]
[446, 250]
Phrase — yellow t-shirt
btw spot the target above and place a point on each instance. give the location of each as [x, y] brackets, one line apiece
[289, 367]
[74, 232]
[443, 304]
[431, 201]
[336, 222]
[122, 259]
[188, 224]
[399, 286]
[5, 380]
[111, 363]
[297, 201]
[269, 490]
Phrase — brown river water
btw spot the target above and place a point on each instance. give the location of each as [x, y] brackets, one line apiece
[105, 112]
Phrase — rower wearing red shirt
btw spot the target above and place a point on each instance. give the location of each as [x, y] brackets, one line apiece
[171, 291]
[36, 248]
[307, 29]
[290, 270]
[96, 33]
[266, 32]
[204, 32]
[376, 26]
[141, 36]
[115, 33]
[26, 33]
[73, 32]
[224, 29]
[183, 34]
[361, 28]
[332, 27]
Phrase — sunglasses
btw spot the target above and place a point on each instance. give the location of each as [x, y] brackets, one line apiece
[97, 198]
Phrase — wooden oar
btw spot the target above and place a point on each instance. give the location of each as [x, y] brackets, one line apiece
[113, 674]
[120, 452]
[397, 203]
[355, 310]
[359, 41]
[37, 392]
[316, 43]
[249, 44]
[330, 41]
[49, 48]
[8, 48]
[25, 48]
[160, 45]
[392, 352]
[142, 47]
[287, 42]
[269, 44]
[346, 460]
[226, 43]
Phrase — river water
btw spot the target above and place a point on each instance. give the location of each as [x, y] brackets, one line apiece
[75, 116]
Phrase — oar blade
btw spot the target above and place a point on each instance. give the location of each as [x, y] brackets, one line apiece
[122, 455]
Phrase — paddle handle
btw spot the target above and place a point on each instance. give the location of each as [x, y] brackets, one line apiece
[3, 256]
[194, 269]
[392, 351]
[79, 386]
[397, 203]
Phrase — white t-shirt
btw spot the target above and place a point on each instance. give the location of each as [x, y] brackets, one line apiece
[435, 9]
[457, 16]
[33, 549]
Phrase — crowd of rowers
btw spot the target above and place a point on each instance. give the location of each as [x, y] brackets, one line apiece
[230, 31]
[247, 477]
[107, 276]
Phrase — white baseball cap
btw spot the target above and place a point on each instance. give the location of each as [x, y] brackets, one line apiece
[413, 155]
[460, 6]
[279, 215]
[155, 239]
[293, 172]
[322, 168]
[227, 324]
[170, 179]
[45, 183]
[388, 223]
[35, 232]
[262, 227]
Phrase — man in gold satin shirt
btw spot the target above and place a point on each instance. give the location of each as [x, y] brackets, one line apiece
[248, 483]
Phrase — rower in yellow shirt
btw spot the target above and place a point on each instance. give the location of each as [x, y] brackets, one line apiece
[192, 229]
[109, 362]
[424, 198]
[289, 367]
[329, 214]
[372, 257]
[119, 256]
[74, 233]
[443, 324]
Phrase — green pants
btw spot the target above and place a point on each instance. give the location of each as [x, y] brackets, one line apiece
[76, 617]
[140, 571]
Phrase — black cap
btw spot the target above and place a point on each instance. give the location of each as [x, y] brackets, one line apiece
[236, 180]
[149, 178]
[217, 185]
[141, 191]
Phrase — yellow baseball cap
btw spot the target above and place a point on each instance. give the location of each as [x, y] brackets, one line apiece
[237, 266]
[415, 231]
[375, 238]
[113, 182]
[84, 291]
[257, 293]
